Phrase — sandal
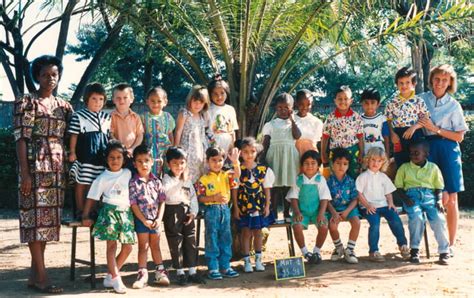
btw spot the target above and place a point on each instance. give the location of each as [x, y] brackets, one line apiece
[51, 289]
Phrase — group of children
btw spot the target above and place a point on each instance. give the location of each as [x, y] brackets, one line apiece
[158, 172]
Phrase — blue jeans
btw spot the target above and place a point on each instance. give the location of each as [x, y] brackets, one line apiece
[394, 222]
[218, 245]
[425, 202]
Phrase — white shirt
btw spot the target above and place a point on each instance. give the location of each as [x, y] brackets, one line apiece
[373, 131]
[112, 187]
[310, 126]
[178, 191]
[374, 187]
[323, 189]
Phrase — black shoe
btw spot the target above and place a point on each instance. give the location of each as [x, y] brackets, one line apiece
[182, 280]
[414, 256]
[444, 259]
[316, 259]
[196, 279]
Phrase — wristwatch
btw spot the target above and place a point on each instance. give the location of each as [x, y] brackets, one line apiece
[438, 132]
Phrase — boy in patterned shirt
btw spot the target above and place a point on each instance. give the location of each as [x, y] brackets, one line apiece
[403, 113]
[344, 129]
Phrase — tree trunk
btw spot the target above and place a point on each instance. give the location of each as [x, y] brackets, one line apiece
[63, 31]
[417, 62]
[104, 47]
[9, 73]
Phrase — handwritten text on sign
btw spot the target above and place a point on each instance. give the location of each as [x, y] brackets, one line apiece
[289, 268]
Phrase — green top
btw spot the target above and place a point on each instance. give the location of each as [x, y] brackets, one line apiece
[409, 175]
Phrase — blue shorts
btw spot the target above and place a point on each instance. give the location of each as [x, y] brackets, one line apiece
[141, 228]
[446, 154]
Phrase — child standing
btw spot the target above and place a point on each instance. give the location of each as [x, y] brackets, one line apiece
[190, 131]
[343, 206]
[309, 199]
[115, 221]
[181, 209]
[344, 129]
[90, 132]
[420, 184]
[147, 199]
[310, 126]
[376, 131]
[159, 126]
[126, 124]
[222, 118]
[403, 113]
[279, 151]
[252, 203]
[214, 192]
[375, 195]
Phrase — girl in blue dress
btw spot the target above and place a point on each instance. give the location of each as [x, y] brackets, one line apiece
[90, 132]
[252, 202]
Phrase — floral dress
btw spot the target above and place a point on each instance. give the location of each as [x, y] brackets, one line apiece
[194, 142]
[157, 130]
[43, 128]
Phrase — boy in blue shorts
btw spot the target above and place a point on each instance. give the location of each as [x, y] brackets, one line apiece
[420, 184]
[309, 197]
[343, 206]
[344, 129]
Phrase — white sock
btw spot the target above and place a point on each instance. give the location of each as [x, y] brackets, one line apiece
[304, 250]
[160, 267]
[192, 270]
[316, 250]
[180, 271]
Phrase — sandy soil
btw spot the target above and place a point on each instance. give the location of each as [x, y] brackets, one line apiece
[392, 278]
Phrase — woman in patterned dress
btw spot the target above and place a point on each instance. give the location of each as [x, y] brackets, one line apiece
[39, 128]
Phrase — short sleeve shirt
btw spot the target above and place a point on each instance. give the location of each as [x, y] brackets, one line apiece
[320, 182]
[375, 129]
[342, 192]
[446, 112]
[343, 130]
[180, 192]
[147, 195]
[214, 183]
[310, 126]
[405, 112]
[112, 187]
[374, 187]
[222, 118]
[410, 175]
[127, 128]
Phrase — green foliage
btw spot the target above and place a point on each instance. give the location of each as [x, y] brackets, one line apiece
[466, 198]
[8, 170]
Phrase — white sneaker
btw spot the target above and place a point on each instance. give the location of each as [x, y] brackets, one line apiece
[108, 281]
[248, 266]
[118, 285]
[376, 257]
[350, 257]
[337, 253]
[142, 279]
[405, 251]
[259, 267]
[161, 278]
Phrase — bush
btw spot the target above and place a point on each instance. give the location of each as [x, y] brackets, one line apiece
[8, 170]
[466, 198]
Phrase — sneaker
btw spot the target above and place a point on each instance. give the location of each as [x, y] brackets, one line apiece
[230, 273]
[182, 279]
[161, 278]
[316, 258]
[108, 281]
[405, 251]
[451, 252]
[414, 256]
[376, 257]
[142, 279]
[118, 285]
[350, 257]
[337, 253]
[259, 267]
[444, 259]
[196, 279]
[214, 275]
[309, 257]
[248, 266]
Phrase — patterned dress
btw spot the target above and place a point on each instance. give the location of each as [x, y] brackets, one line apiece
[43, 128]
[194, 142]
[157, 130]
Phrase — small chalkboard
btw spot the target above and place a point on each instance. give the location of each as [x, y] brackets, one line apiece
[289, 268]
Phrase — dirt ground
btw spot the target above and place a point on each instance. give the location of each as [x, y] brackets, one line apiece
[392, 278]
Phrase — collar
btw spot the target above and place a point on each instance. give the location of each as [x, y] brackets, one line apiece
[316, 177]
[415, 166]
[371, 117]
[151, 177]
[338, 114]
[442, 100]
[130, 113]
[216, 174]
[340, 181]
[403, 99]
[372, 172]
